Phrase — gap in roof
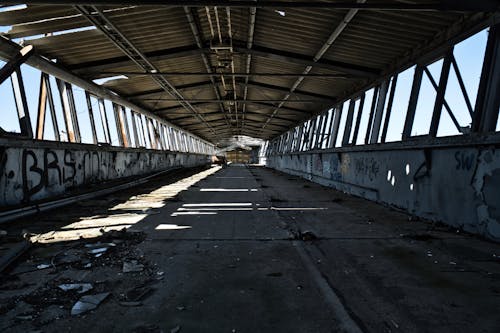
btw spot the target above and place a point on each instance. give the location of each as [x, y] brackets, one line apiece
[56, 33]
[13, 7]
[103, 80]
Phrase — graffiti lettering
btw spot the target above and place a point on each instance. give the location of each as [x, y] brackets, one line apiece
[28, 190]
[464, 160]
[366, 166]
[52, 165]
[69, 164]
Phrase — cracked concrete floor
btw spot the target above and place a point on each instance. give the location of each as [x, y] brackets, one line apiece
[248, 249]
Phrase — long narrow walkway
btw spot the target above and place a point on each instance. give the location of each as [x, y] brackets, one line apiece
[248, 249]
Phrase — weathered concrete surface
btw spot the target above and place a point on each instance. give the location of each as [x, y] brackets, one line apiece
[220, 241]
[31, 171]
[459, 186]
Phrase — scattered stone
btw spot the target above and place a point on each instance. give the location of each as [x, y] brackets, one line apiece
[79, 287]
[88, 303]
[98, 250]
[24, 317]
[132, 266]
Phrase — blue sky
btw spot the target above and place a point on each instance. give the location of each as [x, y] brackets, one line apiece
[469, 55]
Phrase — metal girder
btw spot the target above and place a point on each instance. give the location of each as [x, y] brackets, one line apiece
[178, 107]
[306, 60]
[152, 92]
[16, 61]
[286, 108]
[99, 66]
[443, 5]
[297, 93]
[353, 71]
[212, 100]
[320, 98]
[244, 75]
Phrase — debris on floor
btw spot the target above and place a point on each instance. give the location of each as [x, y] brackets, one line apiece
[53, 281]
[132, 266]
[87, 303]
[80, 288]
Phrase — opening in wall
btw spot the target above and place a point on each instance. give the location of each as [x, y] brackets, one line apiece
[400, 105]
[463, 83]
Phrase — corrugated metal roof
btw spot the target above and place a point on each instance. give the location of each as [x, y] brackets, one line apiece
[285, 42]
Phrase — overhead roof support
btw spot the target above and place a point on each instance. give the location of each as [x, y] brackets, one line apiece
[297, 93]
[333, 36]
[101, 22]
[11, 66]
[301, 59]
[245, 75]
[443, 5]
[354, 71]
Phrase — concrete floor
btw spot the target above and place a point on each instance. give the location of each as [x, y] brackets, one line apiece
[234, 250]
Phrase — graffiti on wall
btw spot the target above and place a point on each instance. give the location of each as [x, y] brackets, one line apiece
[464, 160]
[30, 174]
[366, 166]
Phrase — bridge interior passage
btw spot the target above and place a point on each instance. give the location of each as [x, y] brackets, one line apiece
[395, 102]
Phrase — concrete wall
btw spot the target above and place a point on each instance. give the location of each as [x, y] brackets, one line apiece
[459, 186]
[31, 171]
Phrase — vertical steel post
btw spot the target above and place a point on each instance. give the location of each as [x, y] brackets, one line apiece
[488, 96]
[389, 107]
[358, 118]
[412, 103]
[21, 103]
[348, 123]
[91, 117]
[379, 112]
[336, 125]
[42, 109]
[72, 109]
[52, 107]
[104, 121]
[372, 113]
[443, 82]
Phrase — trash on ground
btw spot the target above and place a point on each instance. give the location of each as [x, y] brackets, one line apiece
[98, 250]
[137, 294]
[175, 329]
[131, 304]
[88, 303]
[308, 236]
[79, 287]
[43, 266]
